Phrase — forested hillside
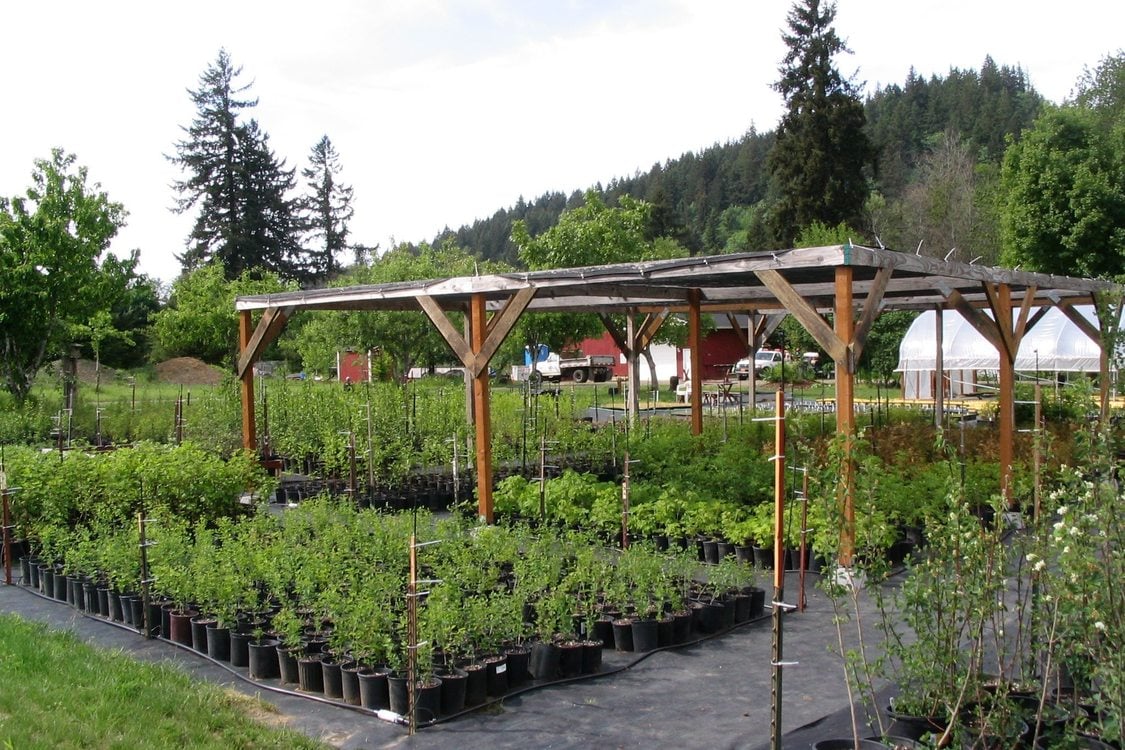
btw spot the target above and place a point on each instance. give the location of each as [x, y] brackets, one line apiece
[939, 143]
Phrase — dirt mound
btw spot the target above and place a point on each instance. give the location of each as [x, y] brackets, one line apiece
[188, 371]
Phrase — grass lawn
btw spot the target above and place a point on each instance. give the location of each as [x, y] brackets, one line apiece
[58, 692]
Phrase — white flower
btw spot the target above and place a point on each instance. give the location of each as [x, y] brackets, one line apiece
[1075, 531]
[1032, 557]
[1062, 510]
[1040, 565]
[1099, 625]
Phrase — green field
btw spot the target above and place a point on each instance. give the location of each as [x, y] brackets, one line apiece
[62, 693]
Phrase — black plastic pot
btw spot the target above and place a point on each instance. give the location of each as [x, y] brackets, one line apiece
[218, 642]
[591, 657]
[623, 634]
[287, 664]
[179, 624]
[262, 660]
[199, 625]
[310, 673]
[476, 684]
[707, 616]
[453, 685]
[332, 678]
[570, 659]
[349, 682]
[645, 635]
[519, 660]
[240, 649]
[496, 675]
[373, 689]
[545, 661]
[603, 631]
[681, 626]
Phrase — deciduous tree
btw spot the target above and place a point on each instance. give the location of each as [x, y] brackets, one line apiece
[52, 240]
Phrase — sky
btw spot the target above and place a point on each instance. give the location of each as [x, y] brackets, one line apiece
[445, 111]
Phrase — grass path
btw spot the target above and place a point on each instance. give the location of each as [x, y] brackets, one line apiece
[58, 692]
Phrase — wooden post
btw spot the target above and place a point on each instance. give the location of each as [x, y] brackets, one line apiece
[249, 436]
[1006, 413]
[632, 405]
[481, 412]
[845, 408]
[695, 341]
[939, 368]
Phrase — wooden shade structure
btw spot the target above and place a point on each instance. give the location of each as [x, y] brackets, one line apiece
[850, 282]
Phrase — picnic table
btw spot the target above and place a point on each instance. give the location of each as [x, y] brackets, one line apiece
[717, 394]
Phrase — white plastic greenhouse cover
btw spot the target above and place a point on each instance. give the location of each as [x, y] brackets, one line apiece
[1053, 345]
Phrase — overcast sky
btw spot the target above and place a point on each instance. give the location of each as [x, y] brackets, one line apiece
[444, 111]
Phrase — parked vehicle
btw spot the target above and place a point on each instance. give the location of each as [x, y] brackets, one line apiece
[763, 359]
[579, 368]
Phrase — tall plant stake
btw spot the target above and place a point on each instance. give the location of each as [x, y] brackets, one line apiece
[5, 493]
[778, 603]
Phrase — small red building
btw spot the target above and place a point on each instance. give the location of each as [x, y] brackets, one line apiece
[722, 347]
[353, 367]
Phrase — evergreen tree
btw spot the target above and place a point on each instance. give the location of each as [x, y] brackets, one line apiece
[235, 182]
[818, 161]
[265, 240]
[326, 208]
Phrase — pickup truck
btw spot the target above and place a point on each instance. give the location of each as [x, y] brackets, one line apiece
[763, 359]
[596, 367]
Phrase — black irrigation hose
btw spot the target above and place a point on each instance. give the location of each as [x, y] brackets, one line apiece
[402, 720]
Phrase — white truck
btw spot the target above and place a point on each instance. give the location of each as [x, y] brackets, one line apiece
[579, 368]
[762, 359]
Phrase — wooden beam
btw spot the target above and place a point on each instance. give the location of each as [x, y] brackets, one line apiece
[871, 308]
[983, 324]
[739, 332]
[246, 385]
[615, 333]
[1021, 326]
[495, 330]
[501, 325]
[1080, 322]
[805, 314]
[269, 328]
[451, 335]
[649, 328]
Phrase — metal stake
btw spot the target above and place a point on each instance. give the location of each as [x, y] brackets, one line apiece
[778, 570]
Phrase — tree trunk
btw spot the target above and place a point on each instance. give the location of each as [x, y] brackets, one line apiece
[655, 384]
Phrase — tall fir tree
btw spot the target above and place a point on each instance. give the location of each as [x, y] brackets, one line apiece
[326, 208]
[236, 183]
[818, 162]
[266, 238]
